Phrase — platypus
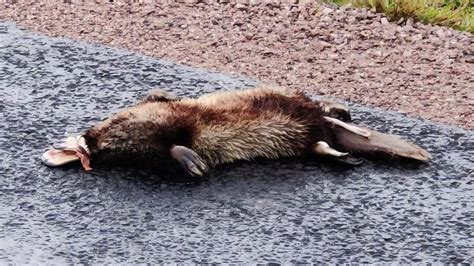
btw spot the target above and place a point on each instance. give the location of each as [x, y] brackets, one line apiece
[225, 126]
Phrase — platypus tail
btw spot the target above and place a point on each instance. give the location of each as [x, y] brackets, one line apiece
[357, 140]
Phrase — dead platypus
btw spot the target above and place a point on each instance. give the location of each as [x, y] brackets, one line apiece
[226, 126]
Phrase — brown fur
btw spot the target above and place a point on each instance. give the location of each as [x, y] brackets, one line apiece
[221, 127]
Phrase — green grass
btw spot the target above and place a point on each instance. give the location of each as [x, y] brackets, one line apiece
[458, 14]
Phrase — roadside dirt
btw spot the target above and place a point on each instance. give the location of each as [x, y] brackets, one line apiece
[356, 55]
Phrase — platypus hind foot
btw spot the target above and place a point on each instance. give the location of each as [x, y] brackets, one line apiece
[192, 163]
[336, 110]
[322, 148]
[354, 129]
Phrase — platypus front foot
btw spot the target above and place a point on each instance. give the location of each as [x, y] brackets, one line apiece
[192, 163]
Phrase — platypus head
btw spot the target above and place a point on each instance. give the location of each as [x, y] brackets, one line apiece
[69, 150]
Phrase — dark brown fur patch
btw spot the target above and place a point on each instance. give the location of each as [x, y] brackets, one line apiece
[301, 109]
[95, 134]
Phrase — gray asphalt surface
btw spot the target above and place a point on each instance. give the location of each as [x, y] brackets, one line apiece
[269, 211]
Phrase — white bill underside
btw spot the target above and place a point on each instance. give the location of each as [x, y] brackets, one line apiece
[55, 157]
[66, 151]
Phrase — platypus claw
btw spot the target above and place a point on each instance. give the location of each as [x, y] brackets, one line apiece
[349, 160]
[190, 160]
[322, 148]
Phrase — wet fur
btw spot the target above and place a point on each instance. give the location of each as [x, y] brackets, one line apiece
[221, 127]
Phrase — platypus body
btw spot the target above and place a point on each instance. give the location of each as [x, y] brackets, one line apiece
[223, 127]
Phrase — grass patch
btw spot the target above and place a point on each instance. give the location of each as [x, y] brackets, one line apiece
[458, 14]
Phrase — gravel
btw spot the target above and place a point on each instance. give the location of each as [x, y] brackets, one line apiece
[281, 212]
[420, 70]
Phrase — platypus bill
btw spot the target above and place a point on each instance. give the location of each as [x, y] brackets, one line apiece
[222, 127]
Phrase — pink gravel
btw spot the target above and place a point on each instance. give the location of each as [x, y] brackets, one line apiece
[421, 70]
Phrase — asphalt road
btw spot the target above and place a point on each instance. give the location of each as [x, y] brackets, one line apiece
[269, 211]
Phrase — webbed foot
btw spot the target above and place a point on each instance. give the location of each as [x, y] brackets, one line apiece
[192, 163]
